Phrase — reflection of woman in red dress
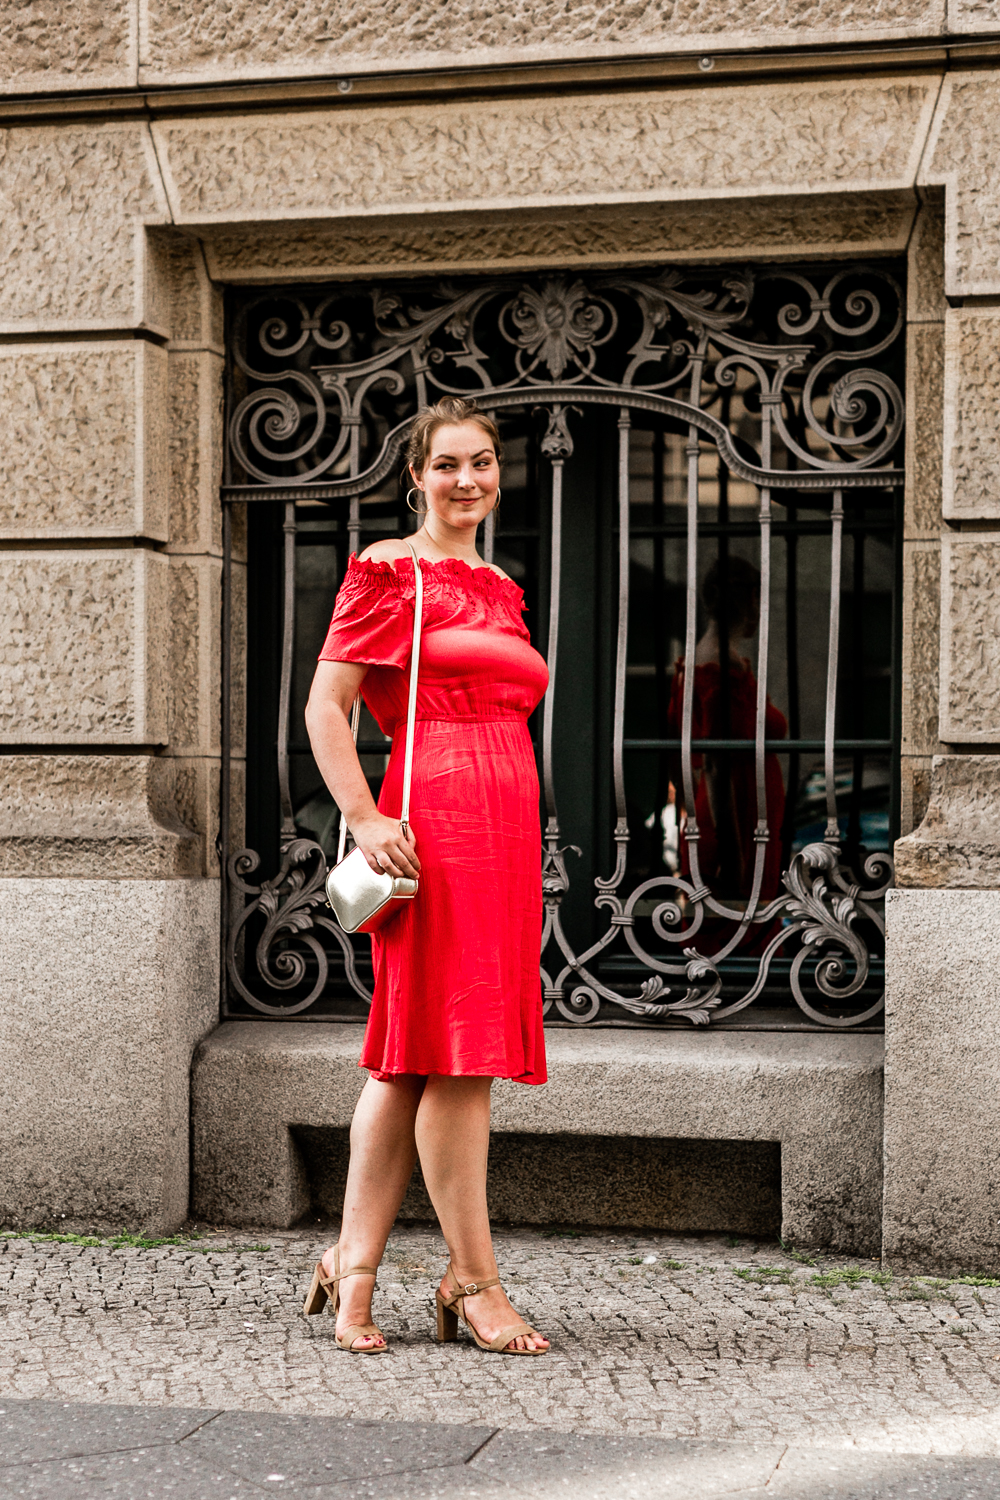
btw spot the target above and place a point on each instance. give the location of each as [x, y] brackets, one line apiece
[725, 708]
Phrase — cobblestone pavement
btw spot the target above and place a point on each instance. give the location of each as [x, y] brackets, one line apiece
[688, 1337]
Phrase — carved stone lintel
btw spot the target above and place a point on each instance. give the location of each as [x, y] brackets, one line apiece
[958, 843]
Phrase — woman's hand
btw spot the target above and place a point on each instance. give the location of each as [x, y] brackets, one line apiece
[382, 843]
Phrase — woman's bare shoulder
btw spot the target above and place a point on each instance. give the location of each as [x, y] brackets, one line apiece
[390, 551]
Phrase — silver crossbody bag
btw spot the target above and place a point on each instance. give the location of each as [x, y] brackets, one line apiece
[362, 900]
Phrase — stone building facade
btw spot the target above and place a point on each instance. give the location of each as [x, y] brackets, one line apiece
[155, 154]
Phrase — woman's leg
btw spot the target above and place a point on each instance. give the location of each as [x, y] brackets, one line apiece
[383, 1152]
[453, 1139]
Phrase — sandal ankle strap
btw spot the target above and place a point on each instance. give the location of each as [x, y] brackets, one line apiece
[469, 1290]
[354, 1271]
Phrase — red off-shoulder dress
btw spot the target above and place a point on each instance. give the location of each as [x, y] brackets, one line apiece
[457, 986]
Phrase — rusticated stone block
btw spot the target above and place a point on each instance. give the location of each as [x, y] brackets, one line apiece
[108, 987]
[958, 841]
[45, 45]
[925, 262]
[94, 816]
[194, 675]
[964, 157]
[970, 639]
[921, 646]
[924, 429]
[196, 792]
[238, 662]
[821, 137]
[73, 196]
[185, 42]
[867, 222]
[195, 426]
[942, 1079]
[973, 16]
[83, 642]
[914, 791]
[972, 414]
[85, 440]
[195, 314]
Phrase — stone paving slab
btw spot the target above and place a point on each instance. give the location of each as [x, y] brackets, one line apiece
[236, 1455]
[653, 1336]
[812, 1474]
[312, 1451]
[32, 1430]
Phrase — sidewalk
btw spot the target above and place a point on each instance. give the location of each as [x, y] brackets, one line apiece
[771, 1371]
[50, 1451]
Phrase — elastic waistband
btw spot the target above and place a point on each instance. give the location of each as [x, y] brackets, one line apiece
[511, 718]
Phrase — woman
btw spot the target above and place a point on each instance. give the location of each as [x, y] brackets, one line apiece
[457, 998]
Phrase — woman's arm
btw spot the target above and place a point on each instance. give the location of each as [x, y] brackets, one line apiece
[334, 689]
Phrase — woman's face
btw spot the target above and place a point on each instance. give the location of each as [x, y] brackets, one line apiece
[462, 476]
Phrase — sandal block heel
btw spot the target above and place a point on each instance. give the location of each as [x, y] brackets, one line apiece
[447, 1322]
[317, 1295]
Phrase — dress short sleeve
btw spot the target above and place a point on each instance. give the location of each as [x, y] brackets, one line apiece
[372, 618]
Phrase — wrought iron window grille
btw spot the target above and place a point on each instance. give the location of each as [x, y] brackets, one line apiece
[774, 397]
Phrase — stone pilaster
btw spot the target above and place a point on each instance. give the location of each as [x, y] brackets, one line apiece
[109, 643]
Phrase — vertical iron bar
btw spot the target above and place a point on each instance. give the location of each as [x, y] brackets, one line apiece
[226, 747]
[693, 453]
[763, 832]
[894, 498]
[660, 624]
[553, 649]
[725, 621]
[621, 658]
[832, 835]
[489, 531]
[792, 676]
[853, 840]
[354, 514]
[285, 696]
[727, 833]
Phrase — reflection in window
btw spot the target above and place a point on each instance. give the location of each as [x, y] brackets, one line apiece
[725, 708]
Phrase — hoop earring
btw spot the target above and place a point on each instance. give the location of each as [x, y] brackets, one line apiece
[414, 508]
[496, 503]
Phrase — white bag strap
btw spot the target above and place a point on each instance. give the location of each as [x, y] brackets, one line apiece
[411, 707]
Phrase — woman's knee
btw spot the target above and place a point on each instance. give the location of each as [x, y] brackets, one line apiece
[456, 1091]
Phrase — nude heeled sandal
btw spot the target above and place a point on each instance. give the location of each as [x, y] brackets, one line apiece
[452, 1307]
[319, 1296]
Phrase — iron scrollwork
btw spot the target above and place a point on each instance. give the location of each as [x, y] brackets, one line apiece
[326, 396]
[286, 903]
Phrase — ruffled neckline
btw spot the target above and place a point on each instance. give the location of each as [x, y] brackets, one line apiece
[386, 574]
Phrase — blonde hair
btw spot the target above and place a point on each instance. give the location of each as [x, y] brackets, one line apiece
[448, 412]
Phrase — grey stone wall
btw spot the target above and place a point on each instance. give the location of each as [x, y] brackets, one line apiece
[108, 985]
[942, 1080]
[117, 235]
